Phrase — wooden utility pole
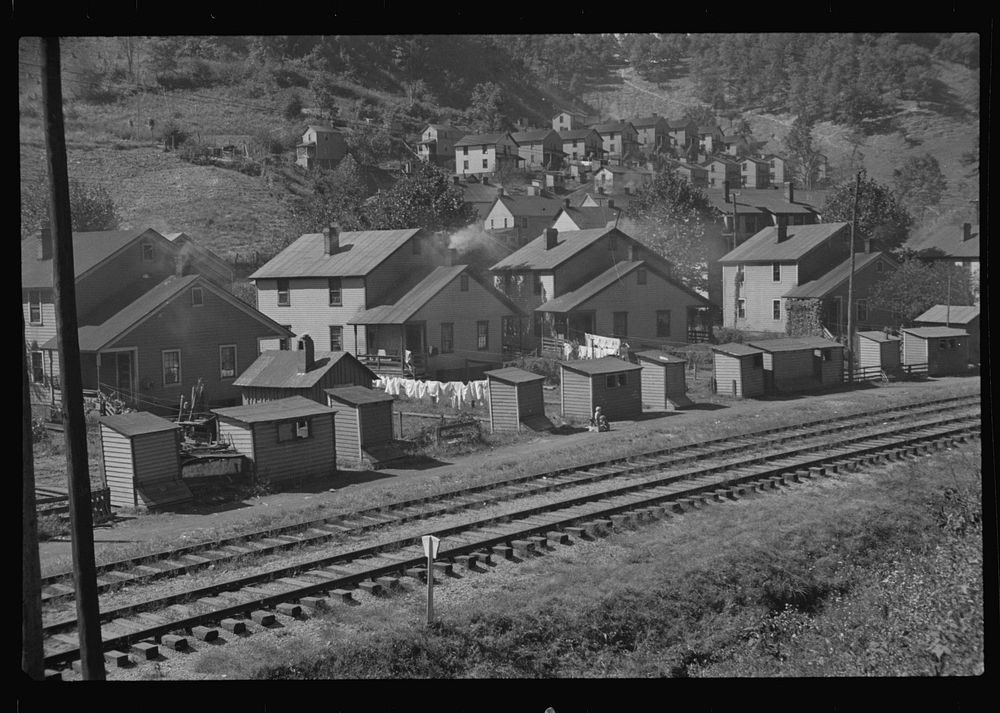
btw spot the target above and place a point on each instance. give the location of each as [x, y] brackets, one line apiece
[74, 426]
[850, 285]
[32, 656]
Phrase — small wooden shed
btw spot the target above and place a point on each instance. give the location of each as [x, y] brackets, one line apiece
[958, 316]
[945, 350]
[364, 423]
[140, 455]
[285, 439]
[663, 385]
[878, 350]
[609, 382]
[738, 370]
[515, 397]
[801, 363]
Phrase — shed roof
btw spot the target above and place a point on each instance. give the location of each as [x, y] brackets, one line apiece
[89, 249]
[284, 369]
[956, 314]
[935, 332]
[736, 349]
[832, 279]
[138, 423]
[277, 410]
[794, 344]
[660, 357]
[800, 240]
[877, 336]
[357, 395]
[360, 252]
[513, 375]
[604, 365]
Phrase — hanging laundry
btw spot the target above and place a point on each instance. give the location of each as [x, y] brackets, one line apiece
[434, 391]
[422, 390]
[379, 384]
[459, 399]
[448, 394]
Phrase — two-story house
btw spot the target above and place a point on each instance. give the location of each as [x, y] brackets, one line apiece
[754, 173]
[682, 132]
[321, 147]
[620, 140]
[758, 274]
[692, 173]
[722, 170]
[952, 244]
[709, 137]
[319, 282]
[437, 143]
[623, 179]
[485, 153]
[568, 121]
[586, 217]
[540, 149]
[149, 325]
[731, 145]
[776, 169]
[580, 144]
[653, 133]
[515, 219]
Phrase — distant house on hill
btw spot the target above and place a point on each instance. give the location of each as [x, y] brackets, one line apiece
[953, 244]
[653, 132]
[620, 140]
[541, 148]
[321, 147]
[520, 218]
[486, 153]
[437, 143]
[581, 144]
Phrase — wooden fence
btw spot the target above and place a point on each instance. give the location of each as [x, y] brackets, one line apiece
[100, 503]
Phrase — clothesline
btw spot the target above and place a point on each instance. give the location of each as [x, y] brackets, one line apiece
[456, 393]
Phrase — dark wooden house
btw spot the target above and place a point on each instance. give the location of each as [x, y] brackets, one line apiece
[663, 385]
[286, 439]
[140, 456]
[611, 383]
[945, 350]
[958, 316]
[364, 424]
[801, 364]
[515, 398]
[739, 370]
[877, 350]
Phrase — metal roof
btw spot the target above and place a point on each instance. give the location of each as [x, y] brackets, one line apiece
[277, 410]
[533, 135]
[570, 134]
[660, 357]
[935, 332]
[285, 369]
[532, 206]
[89, 249]
[794, 344]
[138, 423]
[402, 308]
[832, 279]
[949, 241]
[360, 252]
[604, 365]
[876, 336]
[485, 139]
[574, 298]
[357, 395]
[591, 217]
[736, 349]
[956, 314]
[535, 256]
[801, 240]
[514, 375]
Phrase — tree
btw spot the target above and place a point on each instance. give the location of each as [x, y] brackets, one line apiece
[802, 154]
[919, 285]
[293, 107]
[700, 114]
[338, 197]
[325, 91]
[91, 206]
[486, 110]
[426, 199]
[671, 217]
[880, 216]
[919, 183]
[370, 143]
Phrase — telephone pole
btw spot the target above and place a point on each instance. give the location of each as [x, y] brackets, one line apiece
[32, 655]
[75, 428]
[850, 285]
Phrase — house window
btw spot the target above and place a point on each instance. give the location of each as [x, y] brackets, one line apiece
[171, 367]
[333, 285]
[447, 337]
[291, 430]
[227, 361]
[283, 343]
[952, 344]
[336, 338]
[619, 324]
[147, 252]
[284, 294]
[862, 306]
[35, 306]
[640, 276]
[37, 370]
[614, 381]
[878, 267]
[465, 165]
[463, 283]
[486, 163]
[941, 344]
[486, 147]
[776, 272]
[465, 152]
[775, 309]
[663, 323]
[482, 335]
[197, 297]
[741, 309]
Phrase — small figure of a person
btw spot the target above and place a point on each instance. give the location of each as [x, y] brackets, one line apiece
[599, 422]
[408, 361]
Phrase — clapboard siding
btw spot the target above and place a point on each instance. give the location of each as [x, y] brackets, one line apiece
[619, 401]
[914, 349]
[870, 354]
[749, 379]
[676, 385]
[116, 458]
[298, 458]
[575, 394]
[347, 431]
[752, 378]
[127, 267]
[794, 370]
[239, 435]
[503, 406]
[157, 462]
[759, 290]
[400, 267]
[309, 311]
[376, 423]
[653, 386]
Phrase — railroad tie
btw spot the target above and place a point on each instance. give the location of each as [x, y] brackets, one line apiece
[505, 551]
[523, 546]
[818, 471]
[373, 588]
[540, 541]
[234, 626]
[204, 633]
[145, 650]
[576, 532]
[620, 521]
[344, 596]
[289, 609]
[175, 642]
[118, 659]
[416, 572]
[262, 617]
[313, 603]
[388, 583]
[559, 538]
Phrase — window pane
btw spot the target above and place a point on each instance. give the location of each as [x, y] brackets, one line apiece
[197, 297]
[663, 323]
[227, 362]
[171, 367]
[37, 370]
[302, 429]
[284, 294]
[447, 337]
[35, 307]
[336, 339]
[482, 335]
[334, 287]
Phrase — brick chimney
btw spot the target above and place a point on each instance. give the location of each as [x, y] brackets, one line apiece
[789, 191]
[531, 190]
[180, 263]
[566, 203]
[551, 238]
[45, 242]
[966, 231]
[500, 192]
[331, 239]
[305, 343]
[725, 191]
[633, 252]
[486, 180]
[782, 230]
[450, 257]
[611, 203]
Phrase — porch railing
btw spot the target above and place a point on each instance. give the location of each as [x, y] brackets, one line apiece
[393, 364]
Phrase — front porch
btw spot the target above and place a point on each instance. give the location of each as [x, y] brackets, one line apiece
[395, 349]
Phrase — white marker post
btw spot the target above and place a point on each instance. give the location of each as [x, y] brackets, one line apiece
[430, 549]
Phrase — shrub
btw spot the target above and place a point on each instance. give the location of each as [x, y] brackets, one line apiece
[285, 77]
[726, 335]
[293, 108]
[173, 134]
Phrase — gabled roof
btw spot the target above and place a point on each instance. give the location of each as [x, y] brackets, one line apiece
[357, 395]
[660, 357]
[533, 135]
[473, 139]
[949, 241]
[570, 134]
[645, 121]
[571, 300]
[719, 159]
[610, 126]
[832, 279]
[285, 369]
[277, 410]
[590, 217]
[877, 336]
[604, 365]
[736, 349]
[138, 423]
[321, 127]
[679, 124]
[794, 344]
[730, 139]
[935, 332]
[360, 252]
[709, 129]
[801, 240]
[531, 206]
[478, 192]
[755, 160]
[534, 255]
[955, 314]
[89, 250]
[627, 170]
[513, 375]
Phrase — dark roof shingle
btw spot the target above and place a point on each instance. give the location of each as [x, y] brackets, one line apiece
[604, 365]
[357, 395]
[956, 314]
[801, 240]
[277, 410]
[285, 369]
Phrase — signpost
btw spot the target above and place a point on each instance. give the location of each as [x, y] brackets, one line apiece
[430, 549]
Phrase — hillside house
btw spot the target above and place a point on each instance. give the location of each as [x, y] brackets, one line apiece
[208, 263]
[321, 147]
[149, 325]
[517, 219]
[540, 149]
[437, 143]
[722, 171]
[620, 141]
[758, 274]
[682, 132]
[708, 138]
[956, 245]
[755, 173]
[450, 321]
[653, 133]
[959, 316]
[477, 154]
[319, 282]
[776, 169]
[692, 173]
[623, 179]
[568, 121]
[581, 144]
[586, 218]
[478, 192]
[731, 146]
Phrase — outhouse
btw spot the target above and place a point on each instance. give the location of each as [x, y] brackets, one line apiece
[801, 363]
[663, 385]
[515, 397]
[878, 350]
[363, 424]
[609, 382]
[945, 350]
[140, 455]
[738, 370]
[957, 316]
[285, 439]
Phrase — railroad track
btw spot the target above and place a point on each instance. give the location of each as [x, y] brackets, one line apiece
[645, 486]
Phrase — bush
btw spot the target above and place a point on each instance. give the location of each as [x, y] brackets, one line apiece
[173, 134]
[293, 109]
[285, 77]
[726, 335]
